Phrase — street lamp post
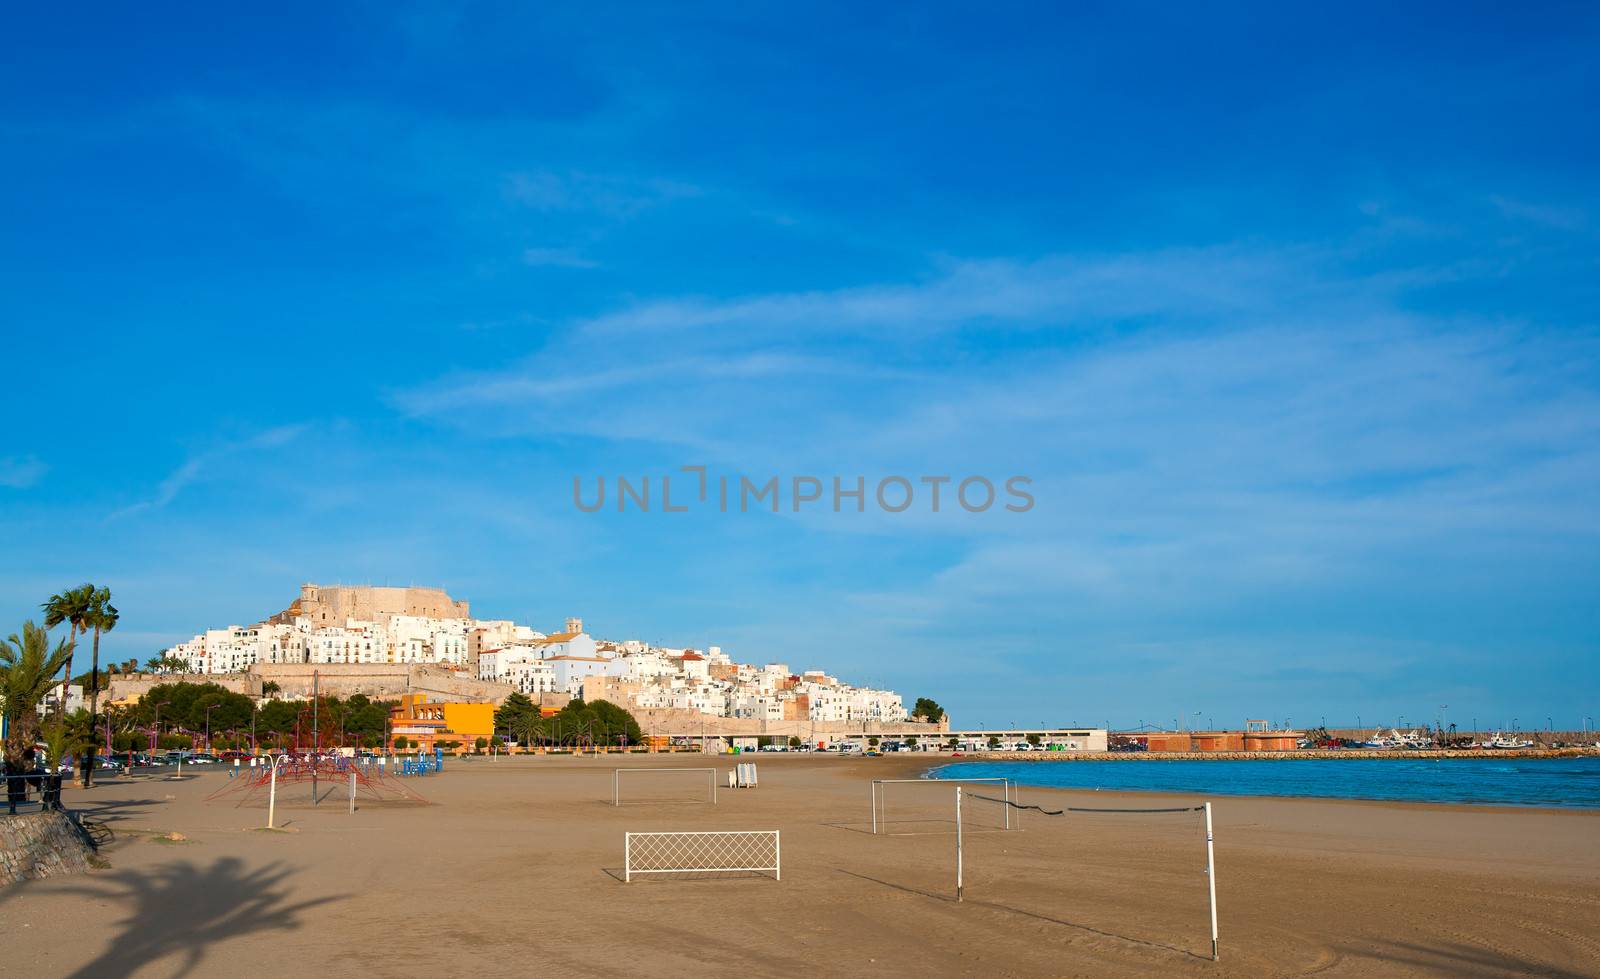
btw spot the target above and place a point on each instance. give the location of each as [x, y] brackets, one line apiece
[155, 729]
[208, 724]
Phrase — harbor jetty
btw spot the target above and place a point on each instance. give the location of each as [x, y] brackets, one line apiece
[1305, 754]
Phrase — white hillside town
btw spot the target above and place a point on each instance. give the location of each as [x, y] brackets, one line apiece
[399, 626]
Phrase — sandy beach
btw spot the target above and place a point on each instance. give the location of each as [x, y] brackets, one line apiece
[516, 869]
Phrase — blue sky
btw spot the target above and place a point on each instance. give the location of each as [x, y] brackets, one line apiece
[1290, 315]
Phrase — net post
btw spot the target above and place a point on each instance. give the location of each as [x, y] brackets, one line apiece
[777, 855]
[614, 794]
[352, 791]
[1211, 882]
[958, 843]
[272, 795]
[627, 858]
[1007, 786]
[874, 788]
[713, 786]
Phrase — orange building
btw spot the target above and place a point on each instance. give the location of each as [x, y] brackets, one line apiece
[1217, 741]
[425, 723]
[1165, 742]
[1271, 740]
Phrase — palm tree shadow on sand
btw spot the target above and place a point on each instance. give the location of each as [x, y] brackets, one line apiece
[181, 909]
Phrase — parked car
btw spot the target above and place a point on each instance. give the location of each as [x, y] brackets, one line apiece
[104, 764]
[201, 758]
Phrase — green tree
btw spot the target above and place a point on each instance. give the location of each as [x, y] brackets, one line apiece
[400, 742]
[277, 717]
[794, 742]
[66, 736]
[603, 721]
[994, 742]
[28, 667]
[71, 606]
[481, 745]
[927, 710]
[513, 715]
[165, 664]
[1033, 739]
[102, 618]
[270, 688]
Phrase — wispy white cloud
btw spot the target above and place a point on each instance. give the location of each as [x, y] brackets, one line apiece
[197, 467]
[1205, 428]
[1558, 216]
[565, 258]
[613, 195]
[990, 293]
[21, 472]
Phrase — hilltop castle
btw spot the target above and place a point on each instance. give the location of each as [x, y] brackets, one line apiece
[325, 605]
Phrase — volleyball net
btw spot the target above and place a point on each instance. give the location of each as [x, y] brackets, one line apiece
[1138, 873]
[919, 806]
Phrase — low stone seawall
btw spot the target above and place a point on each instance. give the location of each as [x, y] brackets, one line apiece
[40, 844]
[1310, 754]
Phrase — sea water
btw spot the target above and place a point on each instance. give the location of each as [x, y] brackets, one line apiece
[1483, 781]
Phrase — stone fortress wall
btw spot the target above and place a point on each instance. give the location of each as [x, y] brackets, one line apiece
[295, 682]
[333, 604]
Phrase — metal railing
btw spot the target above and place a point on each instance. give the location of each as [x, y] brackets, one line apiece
[34, 791]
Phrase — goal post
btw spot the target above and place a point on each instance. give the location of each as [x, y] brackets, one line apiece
[702, 852]
[688, 776]
[966, 798]
[881, 791]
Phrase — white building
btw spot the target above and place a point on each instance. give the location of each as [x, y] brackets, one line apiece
[533, 662]
[570, 671]
[520, 666]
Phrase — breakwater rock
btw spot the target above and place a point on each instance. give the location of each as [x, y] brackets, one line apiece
[1309, 754]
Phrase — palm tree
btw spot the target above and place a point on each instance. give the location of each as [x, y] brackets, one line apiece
[72, 607]
[27, 668]
[102, 617]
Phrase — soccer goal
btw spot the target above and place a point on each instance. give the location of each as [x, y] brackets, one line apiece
[705, 852]
[644, 785]
[1132, 872]
[906, 806]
